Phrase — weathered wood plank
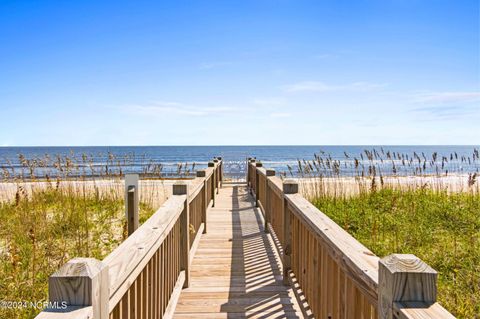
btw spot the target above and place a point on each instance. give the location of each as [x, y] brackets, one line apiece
[236, 269]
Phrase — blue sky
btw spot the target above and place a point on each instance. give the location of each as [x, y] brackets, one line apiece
[239, 72]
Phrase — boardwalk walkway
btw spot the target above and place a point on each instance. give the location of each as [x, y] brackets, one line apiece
[236, 271]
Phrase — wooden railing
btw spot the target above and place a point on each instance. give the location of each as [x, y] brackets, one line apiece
[334, 274]
[143, 276]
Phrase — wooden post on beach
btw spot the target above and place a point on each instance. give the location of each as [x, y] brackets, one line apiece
[131, 202]
[289, 187]
[81, 282]
[404, 278]
[268, 218]
[181, 188]
[203, 173]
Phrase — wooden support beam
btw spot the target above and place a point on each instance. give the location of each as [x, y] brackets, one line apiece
[289, 187]
[82, 282]
[131, 202]
[181, 188]
[404, 278]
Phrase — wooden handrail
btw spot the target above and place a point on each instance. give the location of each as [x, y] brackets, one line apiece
[146, 272]
[337, 275]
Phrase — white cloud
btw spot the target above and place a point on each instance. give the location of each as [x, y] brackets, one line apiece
[316, 86]
[447, 97]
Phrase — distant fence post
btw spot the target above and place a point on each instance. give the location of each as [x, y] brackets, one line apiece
[257, 188]
[217, 173]
[247, 175]
[268, 217]
[251, 174]
[404, 277]
[249, 184]
[212, 164]
[131, 201]
[289, 187]
[203, 173]
[82, 282]
[181, 188]
[220, 171]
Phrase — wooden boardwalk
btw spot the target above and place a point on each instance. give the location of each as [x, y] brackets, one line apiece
[236, 271]
[168, 268]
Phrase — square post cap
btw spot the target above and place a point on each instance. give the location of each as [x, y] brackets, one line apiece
[270, 172]
[290, 186]
[82, 282]
[180, 188]
[201, 173]
[402, 278]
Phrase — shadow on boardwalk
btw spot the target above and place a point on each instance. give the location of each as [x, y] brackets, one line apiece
[236, 272]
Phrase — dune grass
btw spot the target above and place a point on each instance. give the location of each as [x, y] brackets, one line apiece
[42, 229]
[440, 227]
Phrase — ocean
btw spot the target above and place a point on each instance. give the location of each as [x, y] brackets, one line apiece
[288, 160]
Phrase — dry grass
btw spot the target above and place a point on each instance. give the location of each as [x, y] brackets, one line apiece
[45, 221]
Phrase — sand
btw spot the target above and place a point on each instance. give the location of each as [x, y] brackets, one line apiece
[156, 192]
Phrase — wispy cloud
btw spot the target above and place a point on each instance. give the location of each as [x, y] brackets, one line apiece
[447, 97]
[212, 65]
[164, 108]
[445, 112]
[446, 105]
[316, 86]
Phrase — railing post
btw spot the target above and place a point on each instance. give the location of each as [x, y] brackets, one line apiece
[212, 164]
[268, 218]
[220, 170]
[82, 282]
[402, 278]
[217, 175]
[289, 187]
[181, 188]
[131, 202]
[247, 174]
[250, 174]
[203, 173]
[257, 189]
